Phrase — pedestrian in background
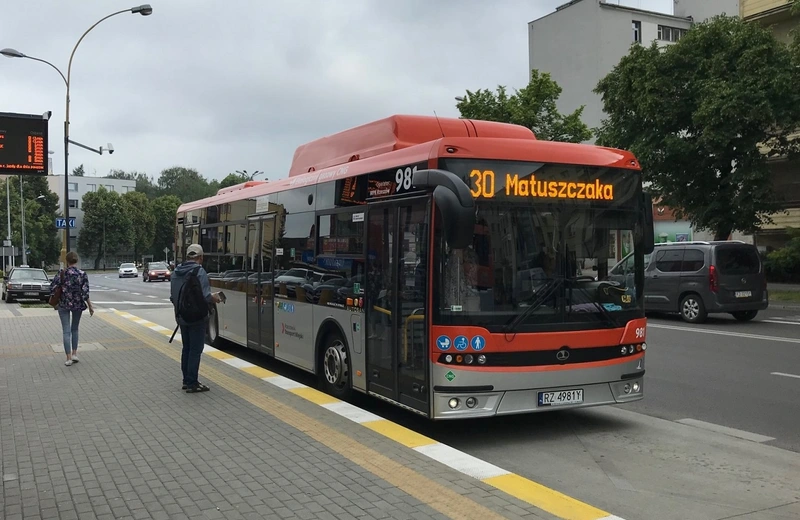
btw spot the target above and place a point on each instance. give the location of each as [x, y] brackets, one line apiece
[190, 294]
[74, 300]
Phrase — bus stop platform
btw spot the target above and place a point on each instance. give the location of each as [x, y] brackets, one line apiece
[114, 437]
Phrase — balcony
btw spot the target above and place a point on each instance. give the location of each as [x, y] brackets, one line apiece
[765, 11]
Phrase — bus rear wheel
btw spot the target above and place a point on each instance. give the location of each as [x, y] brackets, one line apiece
[335, 373]
[212, 330]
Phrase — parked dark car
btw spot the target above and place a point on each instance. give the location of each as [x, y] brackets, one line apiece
[698, 278]
[26, 283]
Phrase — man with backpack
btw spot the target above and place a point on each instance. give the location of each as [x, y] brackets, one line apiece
[190, 294]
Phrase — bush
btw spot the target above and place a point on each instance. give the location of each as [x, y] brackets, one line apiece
[783, 265]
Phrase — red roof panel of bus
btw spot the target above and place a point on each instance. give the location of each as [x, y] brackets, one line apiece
[393, 133]
[240, 186]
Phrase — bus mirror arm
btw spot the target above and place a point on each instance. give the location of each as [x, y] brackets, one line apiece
[455, 203]
[649, 231]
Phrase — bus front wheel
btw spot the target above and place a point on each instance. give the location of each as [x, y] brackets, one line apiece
[335, 373]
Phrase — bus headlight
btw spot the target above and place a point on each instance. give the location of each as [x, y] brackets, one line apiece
[448, 358]
[636, 386]
[471, 402]
[481, 359]
[468, 359]
[453, 403]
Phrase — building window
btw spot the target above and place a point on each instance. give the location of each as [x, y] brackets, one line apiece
[670, 34]
[73, 186]
[130, 188]
[110, 187]
[637, 31]
[91, 187]
[73, 203]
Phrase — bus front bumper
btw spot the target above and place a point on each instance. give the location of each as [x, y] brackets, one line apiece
[539, 392]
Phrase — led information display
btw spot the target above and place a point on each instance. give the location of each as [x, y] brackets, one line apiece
[484, 186]
[23, 144]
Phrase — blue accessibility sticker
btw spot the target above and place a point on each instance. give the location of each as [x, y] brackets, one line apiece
[443, 342]
[478, 343]
[461, 343]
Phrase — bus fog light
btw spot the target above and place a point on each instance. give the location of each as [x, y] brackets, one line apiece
[636, 387]
[627, 388]
[453, 403]
[471, 402]
[468, 359]
[481, 359]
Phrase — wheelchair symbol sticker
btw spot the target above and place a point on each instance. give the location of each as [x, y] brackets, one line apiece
[461, 343]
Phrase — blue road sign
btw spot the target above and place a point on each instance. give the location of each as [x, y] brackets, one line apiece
[478, 343]
[443, 342]
[61, 223]
[460, 343]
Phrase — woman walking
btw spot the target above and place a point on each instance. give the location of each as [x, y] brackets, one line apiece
[74, 300]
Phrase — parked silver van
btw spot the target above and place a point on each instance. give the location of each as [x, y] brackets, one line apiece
[698, 278]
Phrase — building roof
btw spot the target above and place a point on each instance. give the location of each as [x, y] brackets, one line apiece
[621, 7]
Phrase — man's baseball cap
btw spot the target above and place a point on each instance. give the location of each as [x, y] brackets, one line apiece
[194, 251]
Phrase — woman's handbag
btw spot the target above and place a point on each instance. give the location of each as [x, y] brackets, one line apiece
[55, 298]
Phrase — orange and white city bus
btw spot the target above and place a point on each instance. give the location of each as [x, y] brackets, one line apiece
[456, 268]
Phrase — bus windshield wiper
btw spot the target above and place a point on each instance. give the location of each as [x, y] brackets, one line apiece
[610, 319]
[547, 290]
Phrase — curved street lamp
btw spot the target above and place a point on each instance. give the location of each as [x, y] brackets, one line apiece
[144, 10]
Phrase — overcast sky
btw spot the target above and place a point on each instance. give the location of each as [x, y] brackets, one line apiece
[239, 84]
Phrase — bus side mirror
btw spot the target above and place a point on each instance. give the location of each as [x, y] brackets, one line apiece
[455, 203]
[649, 232]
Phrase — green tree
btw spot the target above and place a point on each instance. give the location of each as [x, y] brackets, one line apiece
[40, 213]
[107, 226]
[140, 213]
[232, 179]
[533, 107]
[185, 183]
[78, 171]
[702, 116]
[121, 174]
[165, 211]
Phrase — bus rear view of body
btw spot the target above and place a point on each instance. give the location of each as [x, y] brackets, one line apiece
[455, 268]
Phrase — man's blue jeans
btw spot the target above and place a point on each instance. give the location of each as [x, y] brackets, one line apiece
[193, 337]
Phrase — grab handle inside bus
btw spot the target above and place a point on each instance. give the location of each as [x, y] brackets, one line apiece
[649, 232]
[455, 203]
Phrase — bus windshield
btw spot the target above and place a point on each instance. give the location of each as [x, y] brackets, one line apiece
[542, 263]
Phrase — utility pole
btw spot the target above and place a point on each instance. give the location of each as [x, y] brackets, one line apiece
[8, 214]
[22, 230]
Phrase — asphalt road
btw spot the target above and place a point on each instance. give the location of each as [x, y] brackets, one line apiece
[715, 437]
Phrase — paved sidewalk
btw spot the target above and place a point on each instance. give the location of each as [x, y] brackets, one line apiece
[113, 436]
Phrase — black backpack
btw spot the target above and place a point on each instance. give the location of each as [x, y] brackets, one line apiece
[192, 306]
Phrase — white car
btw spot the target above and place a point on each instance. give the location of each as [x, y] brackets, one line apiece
[128, 270]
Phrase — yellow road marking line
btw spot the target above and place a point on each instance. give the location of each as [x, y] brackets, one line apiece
[219, 355]
[406, 437]
[314, 395]
[258, 372]
[545, 498]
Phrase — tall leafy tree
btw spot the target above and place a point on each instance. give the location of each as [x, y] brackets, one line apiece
[185, 183]
[40, 213]
[78, 171]
[165, 210]
[703, 116]
[107, 225]
[232, 179]
[533, 107]
[140, 213]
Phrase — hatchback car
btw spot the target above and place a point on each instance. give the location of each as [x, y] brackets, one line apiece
[156, 271]
[26, 283]
[126, 270]
[698, 278]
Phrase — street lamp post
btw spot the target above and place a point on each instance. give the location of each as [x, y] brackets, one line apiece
[249, 175]
[144, 10]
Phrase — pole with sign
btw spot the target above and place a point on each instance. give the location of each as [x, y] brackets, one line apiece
[166, 254]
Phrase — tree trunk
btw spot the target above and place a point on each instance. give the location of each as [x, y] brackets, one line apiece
[723, 233]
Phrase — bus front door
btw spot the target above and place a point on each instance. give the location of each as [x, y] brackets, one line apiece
[260, 322]
[396, 302]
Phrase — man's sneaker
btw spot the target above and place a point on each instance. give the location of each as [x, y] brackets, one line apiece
[68, 362]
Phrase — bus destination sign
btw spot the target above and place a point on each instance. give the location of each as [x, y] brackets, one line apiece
[484, 186]
[23, 144]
